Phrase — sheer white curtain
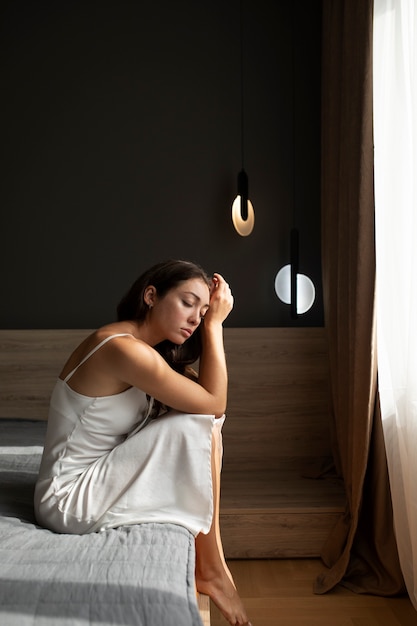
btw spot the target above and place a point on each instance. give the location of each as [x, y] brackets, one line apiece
[395, 136]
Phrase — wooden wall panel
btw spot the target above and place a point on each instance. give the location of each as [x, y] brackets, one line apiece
[30, 361]
[278, 396]
[277, 409]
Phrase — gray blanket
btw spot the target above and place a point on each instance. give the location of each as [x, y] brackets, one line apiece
[140, 575]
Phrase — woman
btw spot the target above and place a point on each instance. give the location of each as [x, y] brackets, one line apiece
[114, 453]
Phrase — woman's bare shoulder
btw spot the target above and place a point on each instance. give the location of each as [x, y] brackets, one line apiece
[134, 362]
[123, 344]
[113, 329]
[95, 339]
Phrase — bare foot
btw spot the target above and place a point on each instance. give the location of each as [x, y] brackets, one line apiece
[224, 595]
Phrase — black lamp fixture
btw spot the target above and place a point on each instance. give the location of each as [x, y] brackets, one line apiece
[243, 215]
[294, 288]
[291, 287]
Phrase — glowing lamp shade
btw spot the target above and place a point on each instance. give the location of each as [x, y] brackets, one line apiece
[243, 224]
[305, 289]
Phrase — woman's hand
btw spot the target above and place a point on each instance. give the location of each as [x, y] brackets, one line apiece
[221, 300]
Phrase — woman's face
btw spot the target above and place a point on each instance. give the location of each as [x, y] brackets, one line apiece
[176, 315]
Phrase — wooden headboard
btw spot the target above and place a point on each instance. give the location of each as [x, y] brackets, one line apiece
[30, 361]
[278, 387]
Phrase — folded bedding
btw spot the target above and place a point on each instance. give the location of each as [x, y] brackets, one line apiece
[139, 575]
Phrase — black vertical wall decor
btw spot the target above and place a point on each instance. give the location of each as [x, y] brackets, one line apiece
[121, 143]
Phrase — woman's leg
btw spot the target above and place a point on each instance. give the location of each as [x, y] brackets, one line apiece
[213, 577]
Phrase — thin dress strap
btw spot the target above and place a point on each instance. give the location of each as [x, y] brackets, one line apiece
[66, 379]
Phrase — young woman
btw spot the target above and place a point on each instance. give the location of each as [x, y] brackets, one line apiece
[133, 435]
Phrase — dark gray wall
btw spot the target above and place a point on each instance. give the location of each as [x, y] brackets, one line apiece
[121, 147]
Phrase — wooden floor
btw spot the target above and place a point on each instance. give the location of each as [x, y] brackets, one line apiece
[279, 593]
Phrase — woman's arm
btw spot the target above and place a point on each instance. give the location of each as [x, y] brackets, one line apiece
[213, 370]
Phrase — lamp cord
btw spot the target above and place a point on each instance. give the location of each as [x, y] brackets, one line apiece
[241, 86]
[294, 209]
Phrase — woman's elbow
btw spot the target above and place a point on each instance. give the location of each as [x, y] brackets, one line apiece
[219, 413]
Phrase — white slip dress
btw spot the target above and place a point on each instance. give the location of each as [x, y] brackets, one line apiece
[108, 461]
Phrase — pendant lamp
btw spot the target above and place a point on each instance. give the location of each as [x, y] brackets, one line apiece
[291, 287]
[294, 288]
[243, 215]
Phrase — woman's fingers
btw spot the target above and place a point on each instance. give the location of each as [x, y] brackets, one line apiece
[221, 299]
[218, 281]
[220, 286]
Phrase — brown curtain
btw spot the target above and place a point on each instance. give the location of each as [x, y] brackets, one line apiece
[361, 551]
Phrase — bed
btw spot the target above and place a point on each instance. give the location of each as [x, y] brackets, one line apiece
[141, 575]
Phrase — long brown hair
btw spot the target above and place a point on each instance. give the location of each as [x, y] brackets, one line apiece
[164, 276]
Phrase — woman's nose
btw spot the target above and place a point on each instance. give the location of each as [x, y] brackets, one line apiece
[194, 318]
